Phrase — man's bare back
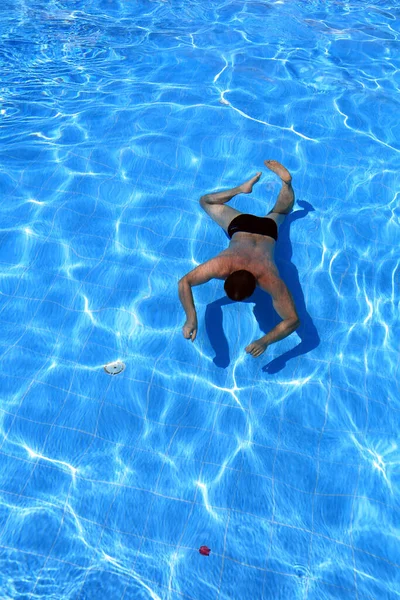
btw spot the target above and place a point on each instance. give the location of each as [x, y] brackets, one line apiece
[250, 254]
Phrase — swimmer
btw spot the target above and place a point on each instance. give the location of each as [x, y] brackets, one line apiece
[249, 259]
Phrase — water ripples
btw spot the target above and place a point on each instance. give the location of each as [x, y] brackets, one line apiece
[116, 117]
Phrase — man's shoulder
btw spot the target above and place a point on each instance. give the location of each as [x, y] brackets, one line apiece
[221, 265]
[270, 281]
[215, 268]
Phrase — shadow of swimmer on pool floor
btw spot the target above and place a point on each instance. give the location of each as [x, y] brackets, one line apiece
[263, 311]
[248, 262]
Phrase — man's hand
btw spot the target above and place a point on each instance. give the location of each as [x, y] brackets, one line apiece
[257, 348]
[190, 329]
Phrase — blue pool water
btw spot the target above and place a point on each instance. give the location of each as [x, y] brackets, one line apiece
[116, 116]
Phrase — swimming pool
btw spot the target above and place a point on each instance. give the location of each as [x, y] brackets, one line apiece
[115, 118]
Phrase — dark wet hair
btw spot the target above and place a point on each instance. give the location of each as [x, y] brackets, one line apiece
[240, 285]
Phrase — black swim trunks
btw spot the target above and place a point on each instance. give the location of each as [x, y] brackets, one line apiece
[253, 224]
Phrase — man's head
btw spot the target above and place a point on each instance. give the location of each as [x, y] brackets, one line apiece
[240, 285]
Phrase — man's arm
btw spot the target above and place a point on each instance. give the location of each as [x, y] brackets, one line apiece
[283, 304]
[214, 268]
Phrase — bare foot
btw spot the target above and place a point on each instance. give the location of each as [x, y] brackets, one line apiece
[247, 186]
[276, 167]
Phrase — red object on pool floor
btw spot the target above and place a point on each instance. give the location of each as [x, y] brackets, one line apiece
[204, 550]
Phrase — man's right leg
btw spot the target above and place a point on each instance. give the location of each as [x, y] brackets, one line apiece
[213, 203]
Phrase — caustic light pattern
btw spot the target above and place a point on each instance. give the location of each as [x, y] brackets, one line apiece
[116, 117]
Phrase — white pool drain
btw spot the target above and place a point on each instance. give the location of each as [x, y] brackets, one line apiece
[114, 368]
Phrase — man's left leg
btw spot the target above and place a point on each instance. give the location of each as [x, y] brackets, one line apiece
[285, 201]
[213, 203]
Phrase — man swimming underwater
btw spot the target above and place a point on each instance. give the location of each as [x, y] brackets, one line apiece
[249, 259]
